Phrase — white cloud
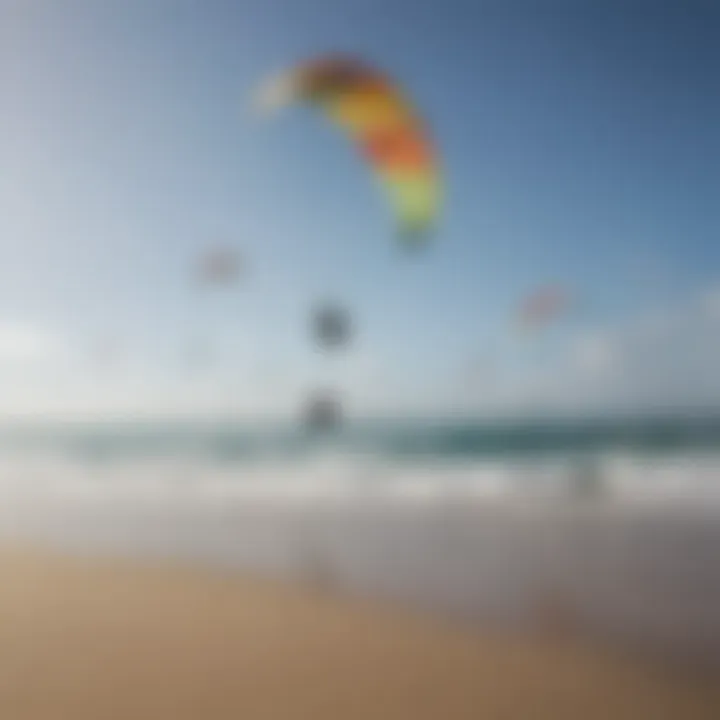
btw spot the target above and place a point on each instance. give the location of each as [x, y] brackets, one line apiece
[24, 342]
[595, 354]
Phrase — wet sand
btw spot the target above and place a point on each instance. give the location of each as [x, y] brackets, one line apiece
[99, 639]
[642, 576]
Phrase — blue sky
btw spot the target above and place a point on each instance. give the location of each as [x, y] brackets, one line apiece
[580, 142]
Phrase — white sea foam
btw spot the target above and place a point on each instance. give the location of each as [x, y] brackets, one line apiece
[622, 477]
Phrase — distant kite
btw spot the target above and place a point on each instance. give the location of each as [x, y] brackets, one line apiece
[388, 131]
[331, 326]
[322, 412]
[543, 306]
[219, 267]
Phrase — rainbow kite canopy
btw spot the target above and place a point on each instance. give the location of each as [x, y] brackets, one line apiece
[385, 126]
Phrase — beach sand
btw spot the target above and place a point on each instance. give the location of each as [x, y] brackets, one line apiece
[93, 639]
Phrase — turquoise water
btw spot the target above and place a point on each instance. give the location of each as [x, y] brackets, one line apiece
[419, 440]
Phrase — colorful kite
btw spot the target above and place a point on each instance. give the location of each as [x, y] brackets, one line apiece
[377, 116]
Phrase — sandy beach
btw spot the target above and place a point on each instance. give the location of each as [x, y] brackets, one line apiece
[83, 638]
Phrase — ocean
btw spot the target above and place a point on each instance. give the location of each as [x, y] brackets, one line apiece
[646, 456]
